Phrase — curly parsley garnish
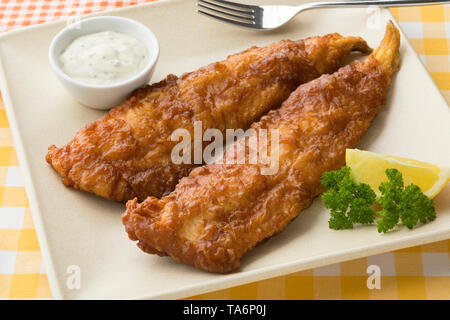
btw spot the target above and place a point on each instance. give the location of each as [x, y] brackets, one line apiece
[353, 203]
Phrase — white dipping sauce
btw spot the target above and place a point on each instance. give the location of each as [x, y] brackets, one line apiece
[104, 58]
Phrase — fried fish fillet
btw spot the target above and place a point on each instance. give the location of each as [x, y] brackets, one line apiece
[220, 211]
[127, 153]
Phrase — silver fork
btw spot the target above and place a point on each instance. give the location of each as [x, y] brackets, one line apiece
[271, 17]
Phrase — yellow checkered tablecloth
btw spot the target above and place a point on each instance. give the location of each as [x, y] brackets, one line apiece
[421, 272]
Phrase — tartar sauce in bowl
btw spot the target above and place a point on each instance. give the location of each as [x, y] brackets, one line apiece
[102, 61]
[104, 58]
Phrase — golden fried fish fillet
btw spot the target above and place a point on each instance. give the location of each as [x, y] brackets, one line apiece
[220, 211]
[127, 153]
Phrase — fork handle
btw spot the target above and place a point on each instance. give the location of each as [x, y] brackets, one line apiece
[382, 3]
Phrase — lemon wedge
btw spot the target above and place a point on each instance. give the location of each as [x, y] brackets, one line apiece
[369, 167]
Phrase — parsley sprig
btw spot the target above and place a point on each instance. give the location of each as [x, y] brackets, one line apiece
[353, 203]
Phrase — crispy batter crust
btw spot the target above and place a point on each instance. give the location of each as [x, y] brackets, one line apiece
[126, 153]
[220, 211]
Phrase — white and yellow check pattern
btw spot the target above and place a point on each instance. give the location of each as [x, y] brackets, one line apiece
[421, 272]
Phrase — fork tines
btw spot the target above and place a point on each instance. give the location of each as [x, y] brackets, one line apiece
[235, 13]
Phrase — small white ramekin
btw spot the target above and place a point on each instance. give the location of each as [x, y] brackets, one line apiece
[103, 96]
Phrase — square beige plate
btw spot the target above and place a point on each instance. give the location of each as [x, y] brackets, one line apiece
[78, 229]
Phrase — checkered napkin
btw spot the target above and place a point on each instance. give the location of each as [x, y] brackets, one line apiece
[421, 272]
[16, 14]
[428, 30]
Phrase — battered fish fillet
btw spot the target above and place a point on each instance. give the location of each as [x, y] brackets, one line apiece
[220, 211]
[127, 153]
